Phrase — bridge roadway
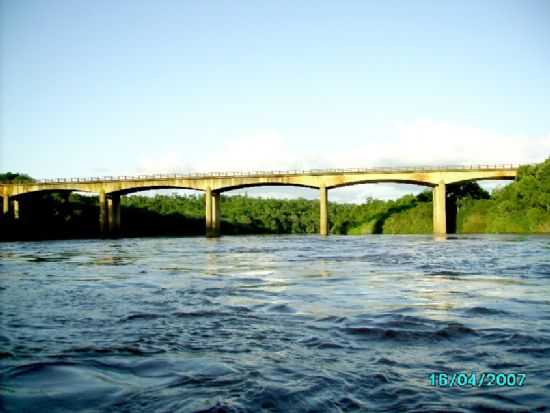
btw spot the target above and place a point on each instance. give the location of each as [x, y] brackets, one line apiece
[110, 189]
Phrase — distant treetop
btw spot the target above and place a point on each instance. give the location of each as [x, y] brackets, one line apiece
[14, 177]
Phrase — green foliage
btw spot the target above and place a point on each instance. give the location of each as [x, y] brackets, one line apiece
[467, 190]
[415, 220]
[401, 216]
[521, 207]
[14, 177]
[472, 216]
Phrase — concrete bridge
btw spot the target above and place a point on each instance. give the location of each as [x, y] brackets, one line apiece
[110, 189]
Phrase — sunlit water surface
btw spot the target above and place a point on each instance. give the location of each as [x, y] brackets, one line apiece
[273, 323]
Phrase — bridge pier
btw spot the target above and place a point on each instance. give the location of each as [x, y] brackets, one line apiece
[10, 207]
[103, 218]
[5, 205]
[212, 204]
[439, 209]
[113, 208]
[15, 208]
[323, 210]
[216, 217]
[109, 214]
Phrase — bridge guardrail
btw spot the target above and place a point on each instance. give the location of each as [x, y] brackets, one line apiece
[199, 175]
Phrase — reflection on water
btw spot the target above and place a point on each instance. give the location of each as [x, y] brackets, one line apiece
[273, 323]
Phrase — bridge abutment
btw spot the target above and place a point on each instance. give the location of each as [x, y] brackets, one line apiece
[439, 209]
[323, 210]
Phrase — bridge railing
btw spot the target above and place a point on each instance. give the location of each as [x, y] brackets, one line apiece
[199, 175]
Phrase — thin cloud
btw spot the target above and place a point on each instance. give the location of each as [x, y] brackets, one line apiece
[432, 143]
[422, 142]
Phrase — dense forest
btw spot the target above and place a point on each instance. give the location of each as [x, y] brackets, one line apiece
[520, 207]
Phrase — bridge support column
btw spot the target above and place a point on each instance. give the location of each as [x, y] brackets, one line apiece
[103, 217]
[439, 209]
[216, 217]
[323, 210]
[113, 207]
[208, 212]
[5, 205]
[15, 208]
[212, 203]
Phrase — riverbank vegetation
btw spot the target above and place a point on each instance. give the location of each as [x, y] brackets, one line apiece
[520, 207]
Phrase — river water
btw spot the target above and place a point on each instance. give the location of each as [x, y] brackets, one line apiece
[275, 323]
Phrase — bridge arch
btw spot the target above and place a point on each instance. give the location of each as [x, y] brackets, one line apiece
[381, 181]
[111, 193]
[33, 191]
[136, 189]
[472, 176]
[261, 184]
[492, 178]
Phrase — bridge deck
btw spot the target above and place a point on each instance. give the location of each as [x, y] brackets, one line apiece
[258, 174]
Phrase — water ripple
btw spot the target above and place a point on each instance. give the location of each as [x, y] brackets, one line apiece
[273, 323]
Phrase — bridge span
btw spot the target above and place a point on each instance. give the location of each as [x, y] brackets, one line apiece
[110, 189]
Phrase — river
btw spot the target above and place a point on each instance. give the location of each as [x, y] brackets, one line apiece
[276, 323]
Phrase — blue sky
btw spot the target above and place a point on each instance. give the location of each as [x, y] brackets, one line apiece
[127, 87]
